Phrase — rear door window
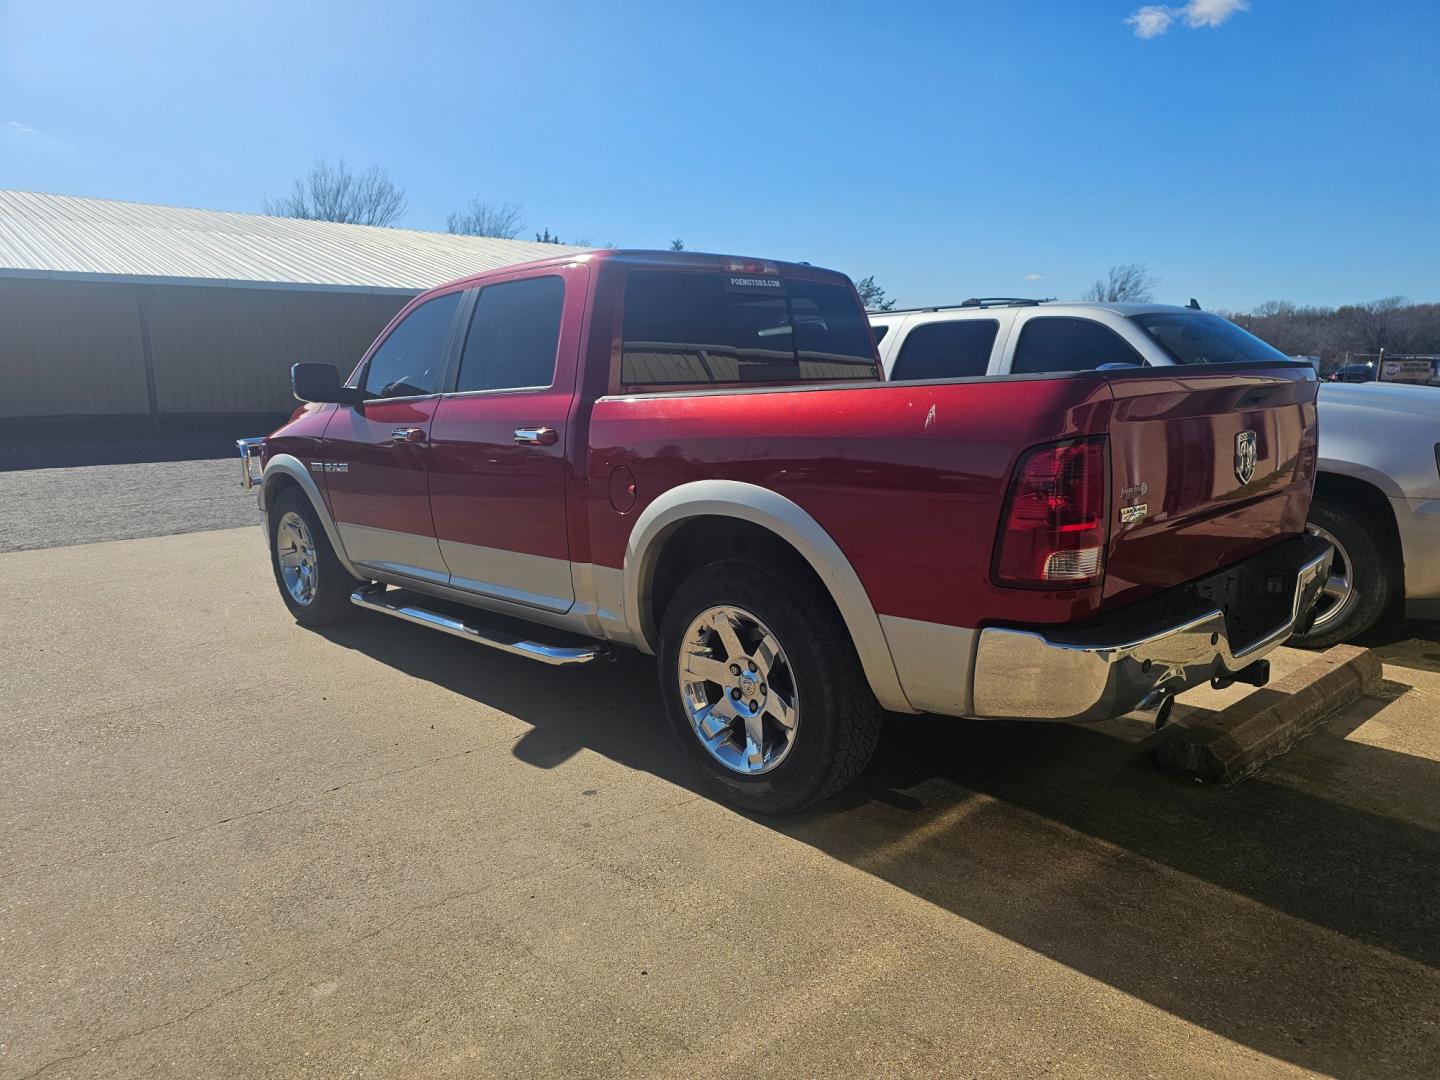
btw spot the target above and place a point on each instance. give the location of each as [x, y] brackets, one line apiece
[880, 332]
[946, 350]
[409, 362]
[1061, 343]
[513, 335]
[701, 328]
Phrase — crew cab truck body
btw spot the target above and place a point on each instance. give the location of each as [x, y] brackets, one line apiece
[696, 456]
[1377, 492]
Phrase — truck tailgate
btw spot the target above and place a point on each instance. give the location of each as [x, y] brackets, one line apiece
[1208, 466]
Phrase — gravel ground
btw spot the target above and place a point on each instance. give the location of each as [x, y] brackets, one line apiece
[42, 508]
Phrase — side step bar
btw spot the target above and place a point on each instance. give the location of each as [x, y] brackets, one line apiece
[379, 598]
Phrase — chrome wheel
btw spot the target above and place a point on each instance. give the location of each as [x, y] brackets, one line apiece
[1339, 594]
[739, 690]
[295, 552]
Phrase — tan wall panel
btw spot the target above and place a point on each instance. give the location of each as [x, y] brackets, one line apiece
[69, 348]
[230, 350]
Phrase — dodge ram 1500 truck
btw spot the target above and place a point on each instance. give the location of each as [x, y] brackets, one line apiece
[696, 456]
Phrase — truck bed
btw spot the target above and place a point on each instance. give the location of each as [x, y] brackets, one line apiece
[910, 478]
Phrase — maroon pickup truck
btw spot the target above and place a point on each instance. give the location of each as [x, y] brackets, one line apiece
[696, 456]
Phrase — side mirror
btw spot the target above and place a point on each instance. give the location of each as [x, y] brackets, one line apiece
[321, 382]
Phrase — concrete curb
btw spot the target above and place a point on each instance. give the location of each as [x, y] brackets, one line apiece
[1231, 744]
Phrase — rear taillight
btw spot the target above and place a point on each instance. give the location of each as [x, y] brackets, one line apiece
[1053, 531]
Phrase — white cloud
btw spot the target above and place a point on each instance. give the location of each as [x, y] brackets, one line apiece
[1211, 12]
[1152, 20]
[18, 134]
[1034, 277]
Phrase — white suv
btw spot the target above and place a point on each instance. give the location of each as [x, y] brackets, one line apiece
[1377, 493]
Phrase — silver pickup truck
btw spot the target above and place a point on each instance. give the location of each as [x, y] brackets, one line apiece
[1377, 495]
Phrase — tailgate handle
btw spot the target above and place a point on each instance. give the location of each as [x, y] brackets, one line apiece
[536, 436]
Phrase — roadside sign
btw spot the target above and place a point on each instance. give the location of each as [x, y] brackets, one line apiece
[1407, 371]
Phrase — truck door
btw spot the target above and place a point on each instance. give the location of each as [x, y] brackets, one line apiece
[499, 466]
[376, 454]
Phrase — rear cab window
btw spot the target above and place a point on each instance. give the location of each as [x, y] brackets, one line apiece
[1202, 338]
[698, 328]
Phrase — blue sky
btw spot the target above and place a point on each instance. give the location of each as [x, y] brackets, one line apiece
[1275, 149]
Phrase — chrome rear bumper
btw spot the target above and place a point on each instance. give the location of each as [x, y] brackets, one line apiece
[1148, 650]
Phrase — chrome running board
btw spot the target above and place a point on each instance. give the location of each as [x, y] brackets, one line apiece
[379, 598]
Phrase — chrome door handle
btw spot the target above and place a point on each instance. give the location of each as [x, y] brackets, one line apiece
[408, 435]
[537, 436]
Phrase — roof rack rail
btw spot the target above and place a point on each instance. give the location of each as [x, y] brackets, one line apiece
[998, 301]
[973, 302]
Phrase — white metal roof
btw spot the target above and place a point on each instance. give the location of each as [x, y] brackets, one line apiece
[65, 237]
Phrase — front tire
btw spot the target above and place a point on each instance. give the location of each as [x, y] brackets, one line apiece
[763, 688]
[1363, 577]
[313, 584]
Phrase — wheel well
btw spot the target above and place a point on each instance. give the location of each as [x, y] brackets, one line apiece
[699, 541]
[1368, 503]
[277, 487]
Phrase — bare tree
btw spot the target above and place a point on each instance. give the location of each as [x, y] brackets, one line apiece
[677, 244]
[337, 194]
[1391, 323]
[487, 219]
[872, 295]
[1373, 326]
[1127, 283]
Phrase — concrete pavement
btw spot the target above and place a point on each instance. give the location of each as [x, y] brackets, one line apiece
[235, 847]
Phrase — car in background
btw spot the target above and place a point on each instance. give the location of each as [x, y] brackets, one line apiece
[1377, 491]
[1353, 373]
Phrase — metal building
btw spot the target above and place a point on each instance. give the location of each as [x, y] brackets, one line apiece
[125, 310]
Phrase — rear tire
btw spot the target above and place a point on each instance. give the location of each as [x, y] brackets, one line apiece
[313, 584]
[780, 717]
[1363, 578]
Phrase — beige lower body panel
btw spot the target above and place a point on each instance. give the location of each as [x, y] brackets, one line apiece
[532, 580]
[394, 552]
[934, 663]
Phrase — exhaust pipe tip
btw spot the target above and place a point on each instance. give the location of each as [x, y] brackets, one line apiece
[1162, 714]
[1161, 702]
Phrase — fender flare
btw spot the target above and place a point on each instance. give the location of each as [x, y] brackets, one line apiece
[788, 521]
[1365, 474]
[290, 466]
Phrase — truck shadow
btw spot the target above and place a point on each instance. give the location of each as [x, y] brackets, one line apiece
[1293, 913]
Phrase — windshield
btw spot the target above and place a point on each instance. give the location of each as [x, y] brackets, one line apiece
[1201, 338]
